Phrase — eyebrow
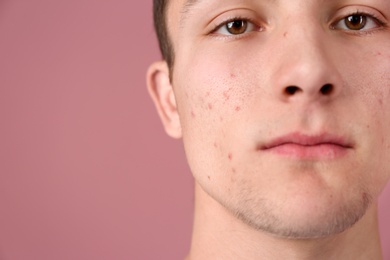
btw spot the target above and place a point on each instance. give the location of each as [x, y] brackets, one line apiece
[188, 6]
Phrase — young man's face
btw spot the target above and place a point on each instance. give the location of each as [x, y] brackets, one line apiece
[284, 107]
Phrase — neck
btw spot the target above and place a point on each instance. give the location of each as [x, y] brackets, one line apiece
[218, 234]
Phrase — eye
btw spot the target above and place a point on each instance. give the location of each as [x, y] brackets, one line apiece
[236, 27]
[357, 22]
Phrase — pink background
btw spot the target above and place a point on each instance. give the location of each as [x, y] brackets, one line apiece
[86, 171]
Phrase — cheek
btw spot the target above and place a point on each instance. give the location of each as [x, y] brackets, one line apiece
[213, 101]
[216, 85]
[373, 105]
[366, 85]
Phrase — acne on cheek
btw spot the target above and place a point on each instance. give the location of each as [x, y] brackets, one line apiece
[193, 115]
[221, 93]
[211, 103]
[235, 96]
[226, 95]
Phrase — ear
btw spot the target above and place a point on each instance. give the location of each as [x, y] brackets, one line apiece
[161, 92]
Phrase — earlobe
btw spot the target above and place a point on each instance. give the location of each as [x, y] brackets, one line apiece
[161, 91]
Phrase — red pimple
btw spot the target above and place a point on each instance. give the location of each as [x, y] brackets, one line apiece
[232, 75]
[226, 95]
[230, 156]
[210, 106]
[238, 108]
[193, 114]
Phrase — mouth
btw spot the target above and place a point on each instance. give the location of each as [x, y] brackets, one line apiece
[302, 146]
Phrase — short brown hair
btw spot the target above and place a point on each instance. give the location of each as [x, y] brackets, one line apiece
[160, 25]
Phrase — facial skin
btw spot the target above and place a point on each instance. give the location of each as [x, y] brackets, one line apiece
[287, 125]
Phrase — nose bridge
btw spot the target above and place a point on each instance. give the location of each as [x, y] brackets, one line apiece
[305, 48]
[304, 65]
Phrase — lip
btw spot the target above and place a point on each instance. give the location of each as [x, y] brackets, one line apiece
[303, 146]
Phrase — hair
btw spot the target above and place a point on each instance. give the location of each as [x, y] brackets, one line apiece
[160, 25]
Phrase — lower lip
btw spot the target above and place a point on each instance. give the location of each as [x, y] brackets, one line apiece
[319, 151]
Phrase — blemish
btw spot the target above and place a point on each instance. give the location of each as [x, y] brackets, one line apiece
[380, 101]
[207, 93]
[210, 106]
[285, 34]
[232, 75]
[215, 145]
[226, 95]
[230, 156]
[209, 177]
[238, 108]
[379, 53]
[233, 170]
[193, 114]
[221, 118]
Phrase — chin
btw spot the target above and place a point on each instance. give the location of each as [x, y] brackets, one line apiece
[303, 219]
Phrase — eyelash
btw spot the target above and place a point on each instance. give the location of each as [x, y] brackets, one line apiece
[333, 25]
[237, 18]
[363, 31]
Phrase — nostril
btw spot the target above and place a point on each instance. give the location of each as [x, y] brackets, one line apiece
[291, 90]
[327, 89]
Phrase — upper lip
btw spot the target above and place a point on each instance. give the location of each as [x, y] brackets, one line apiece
[307, 140]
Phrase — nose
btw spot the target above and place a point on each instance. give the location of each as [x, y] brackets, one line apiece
[304, 69]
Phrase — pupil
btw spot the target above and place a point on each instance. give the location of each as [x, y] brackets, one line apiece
[356, 22]
[237, 26]
[355, 19]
